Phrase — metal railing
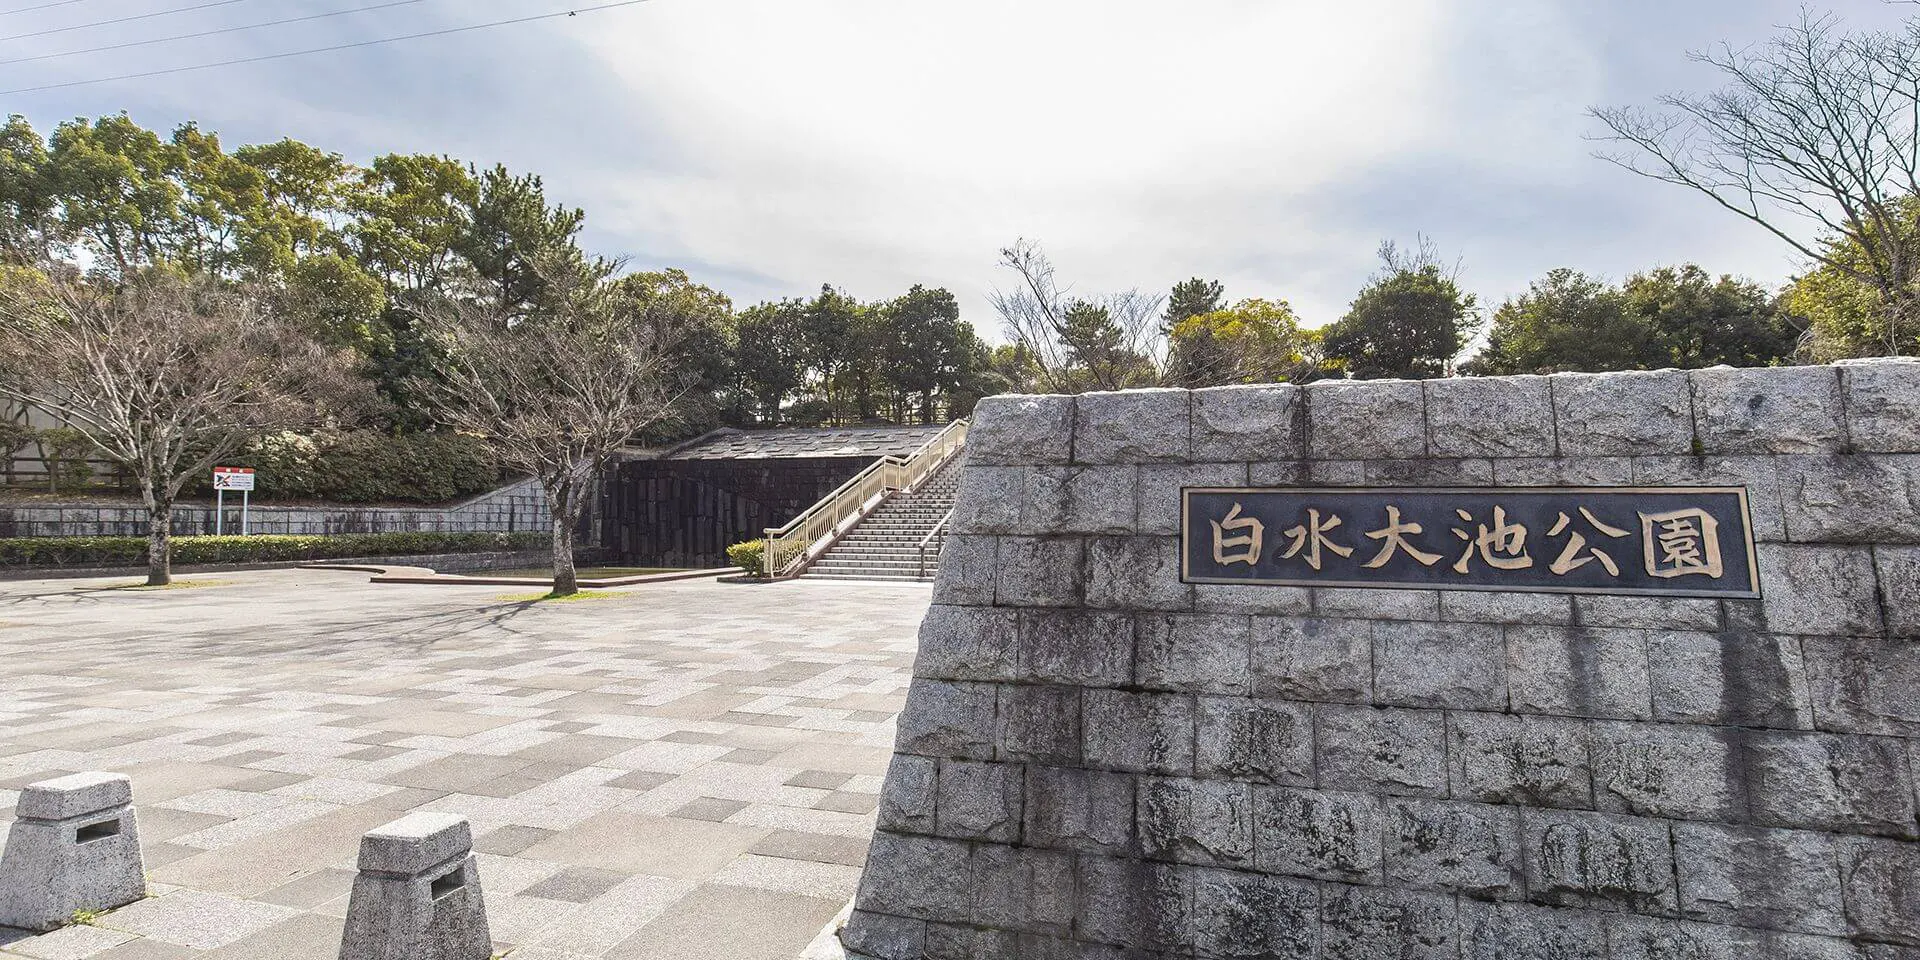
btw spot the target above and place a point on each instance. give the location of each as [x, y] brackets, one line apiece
[938, 529]
[791, 548]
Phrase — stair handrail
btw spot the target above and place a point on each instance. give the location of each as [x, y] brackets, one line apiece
[789, 549]
[938, 528]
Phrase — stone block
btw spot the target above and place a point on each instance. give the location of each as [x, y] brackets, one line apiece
[1853, 784]
[1039, 724]
[1651, 938]
[1363, 603]
[1295, 473]
[1736, 678]
[1366, 420]
[950, 720]
[1852, 499]
[1768, 410]
[1077, 647]
[1451, 665]
[1394, 752]
[1478, 606]
[417, 895]
[1365, 923]
[987, 499]
[1238, 598]
[1079, 499]
[1642, 413]
[1022, 890]
[1760, 475]
[1883, 404]
[1266, 741]
[1248, 423]
[1206, 822]
[1083, 810]
[1571, 471]
[884, 937]
[1880, 880]
[1135, 573]
[1468, 848]
[1158, 503]
[1133, 426]
[1666, 770]
[1140, 904]
[1599, 861]
[1138, 732]
[1039, 571]
[1021, 430]
[1490, 417]
[969, 568]
[1317, 834]
[925, 878]
[1534, 761]
[1511, 931]
[1197, 653]
[968, 643]
[1819, 590]
[1429, 473]
[1579, 672]
[980, 801]
[1313, 659]
[907, 798]
[1248, 915]
[74, 845]
[1899, 572]
[1864, 686]
[1332, 473]
[1742, 876]
[1651, 613]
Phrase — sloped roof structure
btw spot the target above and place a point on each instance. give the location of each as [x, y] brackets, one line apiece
[731, 444]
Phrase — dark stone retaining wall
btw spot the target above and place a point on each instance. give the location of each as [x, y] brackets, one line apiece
[1098, 761]
[517, 508]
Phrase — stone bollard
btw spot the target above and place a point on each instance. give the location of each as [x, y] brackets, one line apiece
[73, 847]
[417, 896]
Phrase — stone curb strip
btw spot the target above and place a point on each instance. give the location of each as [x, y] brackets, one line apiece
[417, 896]
[73, 848]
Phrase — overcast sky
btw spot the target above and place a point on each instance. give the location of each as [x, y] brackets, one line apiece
[770, 146]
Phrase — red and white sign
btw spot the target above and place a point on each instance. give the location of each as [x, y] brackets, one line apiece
[233, 478]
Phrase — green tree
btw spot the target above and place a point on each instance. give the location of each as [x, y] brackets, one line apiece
[28, 198]
[117, 189]
[1410, 321]
[1849, 316]
[513, 235]
[307, 194]
[1254, 341]
[1697, 320]
[702, 347]
[1191, 298]
[770, 365]
[930, 355]
[1565, 321]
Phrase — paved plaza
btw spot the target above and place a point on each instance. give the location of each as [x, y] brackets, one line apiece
[682, 770]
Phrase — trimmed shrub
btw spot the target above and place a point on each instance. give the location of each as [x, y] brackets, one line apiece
[367, 466]
[749, 556]
[189, 551]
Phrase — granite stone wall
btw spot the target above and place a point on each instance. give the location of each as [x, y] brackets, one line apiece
[516, 508]
[1099, 761]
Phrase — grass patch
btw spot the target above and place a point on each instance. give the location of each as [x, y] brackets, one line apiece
[176, 585]
[583, 573]
[550, 598]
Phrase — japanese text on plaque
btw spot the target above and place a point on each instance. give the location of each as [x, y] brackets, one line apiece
[1672, 541]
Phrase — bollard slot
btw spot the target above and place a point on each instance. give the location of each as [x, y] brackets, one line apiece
[449, 883]
[97, 831]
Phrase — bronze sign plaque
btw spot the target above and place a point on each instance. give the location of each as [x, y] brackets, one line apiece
[1655, 541]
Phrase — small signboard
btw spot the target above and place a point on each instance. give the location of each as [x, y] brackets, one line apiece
[233, 478]
[1658, 541]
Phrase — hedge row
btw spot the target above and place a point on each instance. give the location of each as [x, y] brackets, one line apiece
[366, 466]
[132, 551]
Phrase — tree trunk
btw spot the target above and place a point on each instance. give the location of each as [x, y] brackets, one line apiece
[565, 583]
[159, 540]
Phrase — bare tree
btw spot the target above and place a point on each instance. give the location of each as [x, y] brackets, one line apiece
[165, 376]
[556, 391]
[1814, 139]
[1104, 343]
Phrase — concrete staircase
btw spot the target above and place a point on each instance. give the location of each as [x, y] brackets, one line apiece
[886, 545]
